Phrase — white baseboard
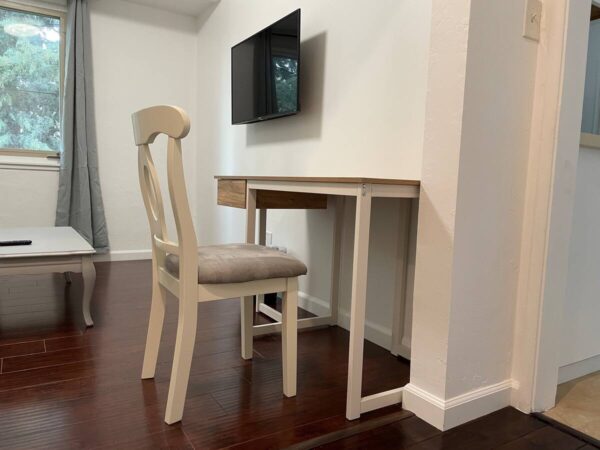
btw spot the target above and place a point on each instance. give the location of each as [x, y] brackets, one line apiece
[124, 255]
[446, 414]
[578, 369]
[374, 332]
[312, 304]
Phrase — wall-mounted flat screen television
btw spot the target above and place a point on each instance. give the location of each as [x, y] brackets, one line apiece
[265, 72]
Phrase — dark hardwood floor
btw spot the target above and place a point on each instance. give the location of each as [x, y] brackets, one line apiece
[62, 386]
[507, 429]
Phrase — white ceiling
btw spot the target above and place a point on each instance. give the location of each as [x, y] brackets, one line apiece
[187, 7]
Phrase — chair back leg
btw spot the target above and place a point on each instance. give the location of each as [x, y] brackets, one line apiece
[182, 360]
[155, 326]
[289, 336]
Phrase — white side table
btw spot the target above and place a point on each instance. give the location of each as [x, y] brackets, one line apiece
[53, 249]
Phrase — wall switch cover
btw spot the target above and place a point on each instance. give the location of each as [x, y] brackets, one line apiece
[533, 19]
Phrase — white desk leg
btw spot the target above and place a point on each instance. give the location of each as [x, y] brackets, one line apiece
[88, 272]
[405, 339]
[262, 240]
[359, 299]
[338, 204]
[402, 275]
[246, 304]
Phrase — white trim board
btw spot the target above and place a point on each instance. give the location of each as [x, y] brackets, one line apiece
[549, 198]
[10, 162]
[446, 414]
[589, 140]
[124, 255]
[374, 332]
[578, 369]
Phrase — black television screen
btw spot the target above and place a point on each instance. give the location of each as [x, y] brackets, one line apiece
[264, 73]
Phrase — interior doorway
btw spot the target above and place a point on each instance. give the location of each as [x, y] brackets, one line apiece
[578, 392]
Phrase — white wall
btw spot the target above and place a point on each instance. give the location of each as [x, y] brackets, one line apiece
[479, 104]
[363, 69]
[141, 56]
[28, 197]
[580, 330]
[493, 163]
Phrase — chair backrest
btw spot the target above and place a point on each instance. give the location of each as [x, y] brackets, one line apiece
[147, 125]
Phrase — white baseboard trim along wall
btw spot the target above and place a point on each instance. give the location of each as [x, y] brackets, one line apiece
[375, 333]
[446, 414]
[578, 369]
[124, 255]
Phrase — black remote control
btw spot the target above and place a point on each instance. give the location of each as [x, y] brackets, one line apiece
[21, 242]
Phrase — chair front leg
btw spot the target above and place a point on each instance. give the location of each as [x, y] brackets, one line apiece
[289, 337]
[155, 326]
[182, 361]
[247, 321]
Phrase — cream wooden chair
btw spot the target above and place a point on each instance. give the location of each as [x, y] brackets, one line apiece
[203, 274]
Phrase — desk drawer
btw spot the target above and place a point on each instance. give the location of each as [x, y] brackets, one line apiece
[233, 193]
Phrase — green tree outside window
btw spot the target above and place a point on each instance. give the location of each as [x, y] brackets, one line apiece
[30, 76]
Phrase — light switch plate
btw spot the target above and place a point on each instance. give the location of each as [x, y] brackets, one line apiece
[533, 19]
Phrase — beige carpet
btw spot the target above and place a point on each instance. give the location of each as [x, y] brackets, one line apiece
[578, 405]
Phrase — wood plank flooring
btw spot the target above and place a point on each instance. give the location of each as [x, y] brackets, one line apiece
[62, 386]
[507, 429]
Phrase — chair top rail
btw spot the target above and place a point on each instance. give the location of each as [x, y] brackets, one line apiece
[163, 119]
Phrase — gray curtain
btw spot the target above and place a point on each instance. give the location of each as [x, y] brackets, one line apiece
[79, 195]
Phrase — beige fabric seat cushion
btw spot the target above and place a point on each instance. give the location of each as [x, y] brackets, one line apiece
[237, 263]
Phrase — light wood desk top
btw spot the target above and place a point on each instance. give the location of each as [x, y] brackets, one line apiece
[304, 192]
[361, 180]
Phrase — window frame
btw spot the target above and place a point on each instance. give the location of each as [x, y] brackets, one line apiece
[62, 16]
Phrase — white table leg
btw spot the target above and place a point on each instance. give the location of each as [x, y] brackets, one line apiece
[88, 271]
[359, 298]
[405, 338]
[401, 294]
[262, 240]
[246, 309]
[338, 202]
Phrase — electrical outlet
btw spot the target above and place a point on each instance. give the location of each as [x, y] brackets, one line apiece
[269, 239]
[533, 19]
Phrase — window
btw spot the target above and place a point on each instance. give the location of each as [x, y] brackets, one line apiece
[31, 74]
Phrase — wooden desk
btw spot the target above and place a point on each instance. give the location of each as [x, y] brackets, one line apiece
[261, 192]
[52, 250]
